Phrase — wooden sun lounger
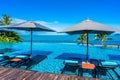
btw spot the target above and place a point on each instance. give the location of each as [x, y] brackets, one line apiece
[4, 60]
[18, 62]
[30, 62]
[14, 60]
[72, 63]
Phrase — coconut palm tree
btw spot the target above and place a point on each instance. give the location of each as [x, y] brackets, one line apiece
[5, 20]
[101, 37]
[9, 36]
[82, 39]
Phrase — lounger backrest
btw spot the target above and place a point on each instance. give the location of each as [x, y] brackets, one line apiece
[77, 59]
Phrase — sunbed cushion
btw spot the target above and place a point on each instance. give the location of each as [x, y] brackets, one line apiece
[22, 56]
[1, 55]
[108, 63]
[70, 62]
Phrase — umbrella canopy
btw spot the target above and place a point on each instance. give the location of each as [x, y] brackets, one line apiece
[89, 26]
[29, 26]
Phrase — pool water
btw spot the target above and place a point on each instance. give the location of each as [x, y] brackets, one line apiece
[58, 52]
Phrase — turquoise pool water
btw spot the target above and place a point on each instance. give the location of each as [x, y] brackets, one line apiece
[58, 52]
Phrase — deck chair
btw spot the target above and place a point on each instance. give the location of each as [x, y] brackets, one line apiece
[111, 66]
[31, 61]
[17, 59]
[5, 60]
[105, 66]
[72, 65]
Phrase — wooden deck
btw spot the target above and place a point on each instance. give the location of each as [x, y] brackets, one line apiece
[18, 74]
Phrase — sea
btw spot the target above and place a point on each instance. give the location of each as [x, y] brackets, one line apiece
[65, 38]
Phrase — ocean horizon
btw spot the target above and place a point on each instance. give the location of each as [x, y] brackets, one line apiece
[62, 38]
[50, 38]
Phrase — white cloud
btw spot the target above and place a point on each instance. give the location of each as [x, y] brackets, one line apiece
[16, 20]
[56, 25]
[115, 25]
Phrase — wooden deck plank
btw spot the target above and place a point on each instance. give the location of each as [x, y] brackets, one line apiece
[6, 72]
[38, 78]
[34, 76]
[18, 74]
[44, 77]
[2, 70]
[25, 75]
[53, 77]
[13, 75]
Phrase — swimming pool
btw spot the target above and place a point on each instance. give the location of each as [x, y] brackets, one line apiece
[58, 52]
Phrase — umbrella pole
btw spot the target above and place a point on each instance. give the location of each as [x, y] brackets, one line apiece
[31, 43]
[87, 47]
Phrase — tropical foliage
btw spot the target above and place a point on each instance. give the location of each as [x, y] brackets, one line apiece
[82, 39]
[5, 20]
[8, 36]
[101, 37]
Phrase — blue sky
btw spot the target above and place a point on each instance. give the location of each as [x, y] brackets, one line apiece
[63, 13]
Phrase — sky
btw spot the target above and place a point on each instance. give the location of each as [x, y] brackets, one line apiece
[60, 14]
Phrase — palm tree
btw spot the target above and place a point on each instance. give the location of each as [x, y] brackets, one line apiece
[101, 37]
[5, 20]
[9, 36]
[82, 39]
